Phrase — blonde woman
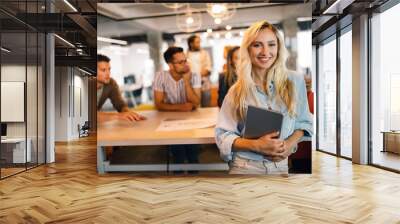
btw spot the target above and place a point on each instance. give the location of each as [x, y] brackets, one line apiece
[263, 81]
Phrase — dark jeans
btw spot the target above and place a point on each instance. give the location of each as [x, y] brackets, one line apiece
[182, 152]
[205, 98]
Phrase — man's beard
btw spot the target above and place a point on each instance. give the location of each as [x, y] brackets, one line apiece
[103, 82]
[182, 72]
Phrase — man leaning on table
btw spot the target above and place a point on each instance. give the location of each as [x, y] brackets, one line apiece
[107, 88]
[178, 89]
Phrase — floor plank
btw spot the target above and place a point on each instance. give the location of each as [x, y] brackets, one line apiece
[70, 191]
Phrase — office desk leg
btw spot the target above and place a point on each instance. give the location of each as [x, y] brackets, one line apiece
[101, 157]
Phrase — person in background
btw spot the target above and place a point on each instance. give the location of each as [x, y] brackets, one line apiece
[265, 82]
[227, 79]
[107, 88]
[226, 50]
[178, 89]
[200, 63]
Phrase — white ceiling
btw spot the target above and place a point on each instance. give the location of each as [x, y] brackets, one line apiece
[136, 15]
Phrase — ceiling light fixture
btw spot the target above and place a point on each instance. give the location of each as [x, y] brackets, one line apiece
[218, 8]
[228, 27]
[337, 7]
[112, 41]
[86, 72]
[5, 50]
[173, 5]
[70, 5]
[65, 41]
[222, 11]
[189, 21]
[217, 21]
[79, 51]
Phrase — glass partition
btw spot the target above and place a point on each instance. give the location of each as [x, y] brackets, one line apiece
[327, 97]
[14, 153]
[385, 89]
[22, 89]
[346, 94]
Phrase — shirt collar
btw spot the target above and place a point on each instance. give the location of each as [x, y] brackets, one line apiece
[271, 87]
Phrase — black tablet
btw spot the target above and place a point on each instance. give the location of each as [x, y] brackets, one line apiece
[260, 121]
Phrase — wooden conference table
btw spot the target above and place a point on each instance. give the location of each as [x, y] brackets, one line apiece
[119, 133]
[391, 141]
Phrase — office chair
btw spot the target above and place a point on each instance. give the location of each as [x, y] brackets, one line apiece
[84, 130]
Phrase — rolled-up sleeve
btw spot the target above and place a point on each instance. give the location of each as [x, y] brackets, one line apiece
[304, 119]
[158, 82]
[226, 130]
[116, 98]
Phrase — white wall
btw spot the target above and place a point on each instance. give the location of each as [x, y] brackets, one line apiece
[81, 104]
[61, 103]
[304, 50]
[71, 94]
[126, 60]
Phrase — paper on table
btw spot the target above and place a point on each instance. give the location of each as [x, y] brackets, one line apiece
[185, 124]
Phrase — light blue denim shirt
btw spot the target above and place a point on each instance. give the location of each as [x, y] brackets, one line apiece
[228, 128]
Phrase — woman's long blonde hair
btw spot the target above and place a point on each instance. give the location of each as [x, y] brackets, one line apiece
[245, 87]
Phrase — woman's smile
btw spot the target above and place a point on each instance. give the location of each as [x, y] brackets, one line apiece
[264, 59]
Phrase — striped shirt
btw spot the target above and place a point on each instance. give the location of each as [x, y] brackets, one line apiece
[174, 91]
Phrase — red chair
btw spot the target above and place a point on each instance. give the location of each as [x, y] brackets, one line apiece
[301, 160]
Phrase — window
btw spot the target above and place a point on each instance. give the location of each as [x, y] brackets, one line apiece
[346, 94]
[327, 96]
[385, 89]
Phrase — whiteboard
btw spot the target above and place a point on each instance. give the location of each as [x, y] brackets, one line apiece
[12, 101]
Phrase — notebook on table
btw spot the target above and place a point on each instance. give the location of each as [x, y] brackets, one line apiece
[260, 121]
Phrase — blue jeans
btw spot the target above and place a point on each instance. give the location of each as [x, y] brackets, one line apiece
[205, 98]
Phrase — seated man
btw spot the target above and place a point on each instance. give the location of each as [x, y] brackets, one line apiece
[178, 89]
[107, 88]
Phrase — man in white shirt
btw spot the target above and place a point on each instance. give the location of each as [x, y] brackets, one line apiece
[200, 63]
[178, 89]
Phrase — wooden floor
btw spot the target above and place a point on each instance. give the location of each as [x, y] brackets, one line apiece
[10, 171]
[70, 191]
